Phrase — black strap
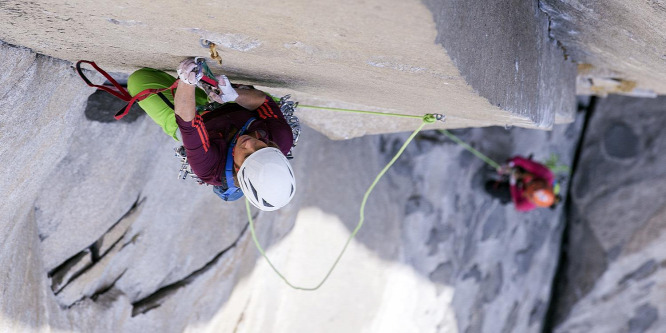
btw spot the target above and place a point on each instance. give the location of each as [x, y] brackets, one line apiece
[166, 100]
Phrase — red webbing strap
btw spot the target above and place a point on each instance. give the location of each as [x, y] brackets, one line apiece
[122, 93]
[141, 96]
[208, 80]
[117, 90]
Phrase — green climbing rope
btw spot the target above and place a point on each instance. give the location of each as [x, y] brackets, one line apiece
[361, 111]
[469, 148]
[427, 119]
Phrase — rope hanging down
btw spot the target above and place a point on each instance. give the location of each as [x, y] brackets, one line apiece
[469, 148]
[427, 119]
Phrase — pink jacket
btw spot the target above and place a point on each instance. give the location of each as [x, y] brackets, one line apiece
[535, 170]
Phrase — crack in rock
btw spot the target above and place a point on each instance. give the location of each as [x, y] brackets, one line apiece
[67, 272]
[155, 299]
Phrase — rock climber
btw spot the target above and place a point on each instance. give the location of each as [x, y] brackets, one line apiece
[242, 142]
[525, 182]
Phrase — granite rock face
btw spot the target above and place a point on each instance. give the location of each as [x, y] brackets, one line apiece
[375, 55]
[504, 51]
[620, 46]
[616, 258]
[101, 236]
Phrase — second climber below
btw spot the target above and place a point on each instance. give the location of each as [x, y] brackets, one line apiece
[245, 137]
[527, 183]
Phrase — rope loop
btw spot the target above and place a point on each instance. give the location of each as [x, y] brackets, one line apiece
[353, 234]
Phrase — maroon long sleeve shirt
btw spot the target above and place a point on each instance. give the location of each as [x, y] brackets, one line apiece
[207, 137]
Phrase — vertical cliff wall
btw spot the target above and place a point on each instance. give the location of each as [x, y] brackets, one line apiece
[371, 55]
[620, 46]
[99, 235]
[615, 262]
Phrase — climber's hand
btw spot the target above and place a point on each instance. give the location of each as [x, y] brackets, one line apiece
[215, 97]
[229, 94]
[187, 71]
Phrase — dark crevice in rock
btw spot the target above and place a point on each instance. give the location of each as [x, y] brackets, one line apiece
[72, 268]
[512, 319]
[105, 289]
[473, 273]
[101, 292]
[648, 268]
[554, 314]
[492, 284]
[155, 299]
[537, 312]
[241, 318]
[65, 273]
[540, 5]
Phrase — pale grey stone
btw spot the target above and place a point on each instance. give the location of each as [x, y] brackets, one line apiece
[644, 317]
[163, 261]
[645, 270]
[443, 273]
[491, 285]
[62, 275]
[538, 312]
[528, 63]
[495, 225]
[510, 323]
[621, 142]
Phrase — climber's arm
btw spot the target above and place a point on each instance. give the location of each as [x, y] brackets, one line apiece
[184, 104]
[250, 99]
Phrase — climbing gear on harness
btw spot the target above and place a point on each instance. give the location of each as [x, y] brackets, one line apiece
[288, 107]
[185, 169]
[425, 120]
[267, 179]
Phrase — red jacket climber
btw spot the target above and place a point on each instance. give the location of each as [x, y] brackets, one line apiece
[530, 184]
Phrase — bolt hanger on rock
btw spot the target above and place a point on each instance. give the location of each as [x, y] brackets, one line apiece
[205, 43]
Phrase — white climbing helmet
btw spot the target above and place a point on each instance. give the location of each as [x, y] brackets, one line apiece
[267, 179]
